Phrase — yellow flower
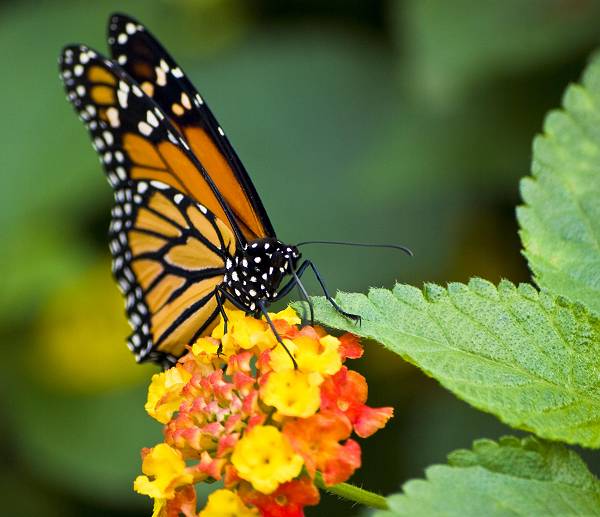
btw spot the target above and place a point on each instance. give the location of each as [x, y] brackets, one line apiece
[265, 458]
[160, 508]
[205, 351]
[288, 314]
[165, 464]
[244, 332]
[225, 503]
[292, 392]
[312, 354]
[164, 393]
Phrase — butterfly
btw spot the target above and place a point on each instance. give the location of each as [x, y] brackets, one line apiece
[189, 234]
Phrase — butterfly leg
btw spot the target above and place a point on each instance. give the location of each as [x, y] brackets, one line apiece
[265, 313]
[296, 281]
[302, 289]
[222, 296]
[354, 317]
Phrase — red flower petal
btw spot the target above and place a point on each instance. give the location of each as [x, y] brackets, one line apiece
[288, 500]
[350, 347]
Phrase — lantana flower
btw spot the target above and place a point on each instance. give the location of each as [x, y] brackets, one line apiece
[237, 409]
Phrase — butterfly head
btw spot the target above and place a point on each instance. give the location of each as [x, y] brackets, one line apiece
[256, 271]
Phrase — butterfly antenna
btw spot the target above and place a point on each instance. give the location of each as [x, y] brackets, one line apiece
[361, 245]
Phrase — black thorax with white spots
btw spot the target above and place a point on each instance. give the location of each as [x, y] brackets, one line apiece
[256, 271]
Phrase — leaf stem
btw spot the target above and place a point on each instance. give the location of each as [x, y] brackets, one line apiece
[353, 493]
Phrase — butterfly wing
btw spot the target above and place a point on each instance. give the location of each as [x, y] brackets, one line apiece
[168, 256]
[144, 58]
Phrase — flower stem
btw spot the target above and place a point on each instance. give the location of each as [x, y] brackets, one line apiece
[353, 493]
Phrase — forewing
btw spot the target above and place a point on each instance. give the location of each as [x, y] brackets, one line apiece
[133, 137]
[169, 256]
[144, 58]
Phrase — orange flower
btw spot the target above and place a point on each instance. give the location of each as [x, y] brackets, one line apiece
[345, 393]
[287, 501]
[317, 439]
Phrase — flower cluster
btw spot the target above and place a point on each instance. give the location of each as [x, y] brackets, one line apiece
[251, 418]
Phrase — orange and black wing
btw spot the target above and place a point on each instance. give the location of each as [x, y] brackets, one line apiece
[146, 61]
[169, 256]
[168, 250]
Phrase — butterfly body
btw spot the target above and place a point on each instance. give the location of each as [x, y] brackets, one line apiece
[257, 270]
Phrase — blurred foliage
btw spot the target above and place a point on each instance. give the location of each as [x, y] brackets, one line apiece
[401, 121]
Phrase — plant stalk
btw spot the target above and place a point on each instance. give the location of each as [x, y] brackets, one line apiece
[353, 493]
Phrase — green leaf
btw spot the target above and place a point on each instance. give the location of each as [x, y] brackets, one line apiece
[529, 358]
[514, 477]
[560, 222]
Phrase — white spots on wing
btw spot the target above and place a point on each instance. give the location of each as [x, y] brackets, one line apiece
[99, 143]
[177, 72]
[108, 137]
[151, 118]
[122, 59]
[80, 90]
[199, 99]
[144, 128]
[83, 57]
[164, 65]
[178, 198]
[112, 179]
[257, 260]
[137, 91]
[185, 101]
[107, 158]
[202, 209]
[130, 28]
[121, 173]
[220, 130]
[142, 187]
[122, 95]
[112, 114]
[122, 38]
[119, 156]
[235, 276]
[252, 292]
[161, 76]
[91, 110]
[159, 114]
[159, 185]
[78, 70]
[172, 138]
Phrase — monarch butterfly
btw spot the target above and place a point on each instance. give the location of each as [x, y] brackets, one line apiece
[189, 232]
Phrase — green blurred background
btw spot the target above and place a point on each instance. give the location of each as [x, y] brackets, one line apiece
[407, 121]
